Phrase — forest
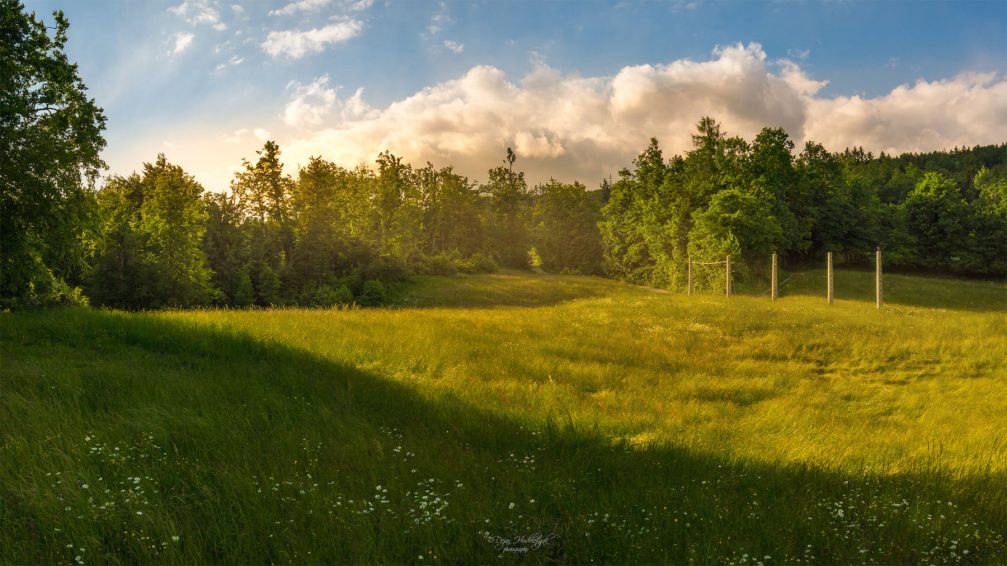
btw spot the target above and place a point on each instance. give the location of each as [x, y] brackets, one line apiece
[325, 234]
[331, 235]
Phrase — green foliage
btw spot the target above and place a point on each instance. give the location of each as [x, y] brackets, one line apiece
[441, 264]
[632, 229]
[479, 263]
[987, 239]
[329, 296]
[150, 251]
[726, 196]
[737, 224]
[262, 194]
[452, 219]
[507, 223]
[936, 216]
[244, 293]
[50, 141]
[565, 228]
[534, 259]
[396, 209]
[372, 294]
[267, 286]
[226, 249]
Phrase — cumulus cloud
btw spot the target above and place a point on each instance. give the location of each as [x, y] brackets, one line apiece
[261, 134]
[197, 12]
[296, 44]
[966, 110]
[454, 46]
[183, 40]
[586, 128]
[310, 103]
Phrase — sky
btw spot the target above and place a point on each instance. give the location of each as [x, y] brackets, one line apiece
[576, 88]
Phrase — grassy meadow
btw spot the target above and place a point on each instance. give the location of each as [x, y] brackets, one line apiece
[514, 417]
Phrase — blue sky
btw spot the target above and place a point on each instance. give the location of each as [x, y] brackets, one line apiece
[199, 79]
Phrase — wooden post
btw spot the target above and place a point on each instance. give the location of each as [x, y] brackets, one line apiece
[877, 275]
[828, 262]
[774, 291]
[727, 269]
[690, 275]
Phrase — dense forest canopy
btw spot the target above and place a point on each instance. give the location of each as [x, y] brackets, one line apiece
[326, 235]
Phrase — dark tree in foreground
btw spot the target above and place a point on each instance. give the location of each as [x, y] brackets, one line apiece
[50, 140]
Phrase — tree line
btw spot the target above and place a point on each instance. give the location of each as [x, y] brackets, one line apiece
[940, 212]
[326, 235]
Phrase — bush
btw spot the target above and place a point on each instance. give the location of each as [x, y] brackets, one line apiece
[386, 268]
[442, 264]
[267, 286]
[329, 296]
[479, 263]
[244, 295]
[372, 294]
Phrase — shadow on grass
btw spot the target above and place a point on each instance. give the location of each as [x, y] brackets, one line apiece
[899, 289]
[505, 289]
[262, 453]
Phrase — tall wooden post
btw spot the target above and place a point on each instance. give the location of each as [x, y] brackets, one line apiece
[828, 262]
[774, 291]
[690, 275]
[727, 277]
[877, 275]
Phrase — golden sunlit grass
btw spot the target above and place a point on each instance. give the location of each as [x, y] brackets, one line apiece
[621, 423]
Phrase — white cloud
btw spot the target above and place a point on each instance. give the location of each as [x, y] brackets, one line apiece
[310, 103]
[232, 62]
[237, 9]
[297, 44]
[196, 12]
[800, 54]
[454, 46]
[586, 128]
[237, 136]
[361, 5]
[242, 134]
[183, 40]
[967, 110]
[300, 6]
[683, 6]
[440, 19]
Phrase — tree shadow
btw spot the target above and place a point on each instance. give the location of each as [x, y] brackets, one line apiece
[505, 289]
[268, 453]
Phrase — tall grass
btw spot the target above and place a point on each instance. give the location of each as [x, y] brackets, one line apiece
[618, 423]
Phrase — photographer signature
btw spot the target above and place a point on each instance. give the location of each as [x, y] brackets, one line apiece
[522, 543]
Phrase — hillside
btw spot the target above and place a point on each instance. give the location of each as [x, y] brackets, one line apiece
[619, 423]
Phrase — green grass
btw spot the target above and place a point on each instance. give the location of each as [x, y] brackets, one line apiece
[622, 424]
